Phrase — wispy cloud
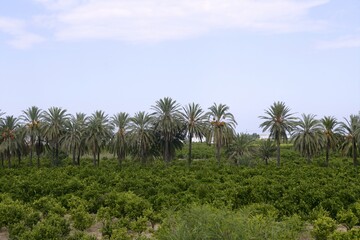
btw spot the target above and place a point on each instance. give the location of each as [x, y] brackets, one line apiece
[19, 36]
[350, 41]
[158, 20]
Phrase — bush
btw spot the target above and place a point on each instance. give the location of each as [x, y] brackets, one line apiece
[348, 218]
[48, 204]
[206, 222]
[323, 227]
[81, 218]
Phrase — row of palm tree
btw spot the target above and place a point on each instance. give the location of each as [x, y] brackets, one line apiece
[164, 130]
[160, 132]
[309, 135]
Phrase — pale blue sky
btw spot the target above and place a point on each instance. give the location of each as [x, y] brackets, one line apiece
[123, 55]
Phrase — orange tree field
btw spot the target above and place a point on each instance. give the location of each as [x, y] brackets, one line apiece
[174, 201]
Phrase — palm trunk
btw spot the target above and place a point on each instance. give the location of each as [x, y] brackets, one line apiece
[355, 153]
[31, 150]
[98, 157]
[190, 148]
[18, 152]
[266, 161]
[166, 150]
[56, 154]
[78, 157]
[278, 152]
[218, 148]
[119, 157]
[9, 158]
[74, 156]
[94, 158]
[327, 153]
[38, 152]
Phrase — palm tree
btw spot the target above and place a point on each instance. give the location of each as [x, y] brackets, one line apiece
[141, 133]
[167, 120]
[31, 118]
[266, 150]
[9, 144]
[351, 131]
[119, 143]
[54, 127]
[278, 121]
[241, 147]
[222, 129]
[331, 132]
[195, 124]
[98, 133]
[308, 136]
[73, 139]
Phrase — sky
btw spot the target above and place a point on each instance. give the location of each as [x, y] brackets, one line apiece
[124, 55]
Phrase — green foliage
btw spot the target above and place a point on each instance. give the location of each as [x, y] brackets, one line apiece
[48, 204]
[349, 235]
[348, 218]
[51, 227]
[81, 218]
[323, 227]
[206, 222]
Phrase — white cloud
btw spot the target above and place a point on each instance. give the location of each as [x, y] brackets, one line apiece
[158, 20]
[20, 38]
[351, 41]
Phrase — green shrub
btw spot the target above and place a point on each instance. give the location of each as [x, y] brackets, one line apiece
[81, 218]
[323, 227]
[349, 235]
[48, 204]
[52, 227]
[348, 218]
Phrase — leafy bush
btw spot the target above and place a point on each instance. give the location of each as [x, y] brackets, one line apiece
[323, 227]
[48, 204]
[81, 218]
[348, 218]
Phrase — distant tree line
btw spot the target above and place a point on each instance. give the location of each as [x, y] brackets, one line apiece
[164, 130]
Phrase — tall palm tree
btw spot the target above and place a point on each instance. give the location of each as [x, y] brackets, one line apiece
[73, 139]
[97, 134]
[266, 150]
[331, 133]
[141, 134]
[195, 123]
[308, 136]
[351, 131]
[241, 147]
[9, 144]
[32, 117]
[222, 129]
[54, 127]
[279, 121]
[119, 143]
[167, 120]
